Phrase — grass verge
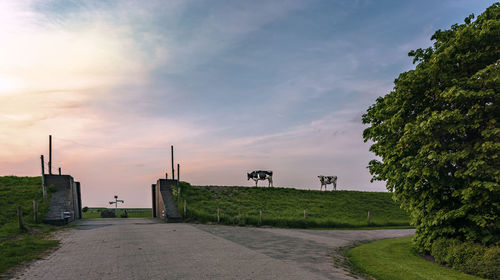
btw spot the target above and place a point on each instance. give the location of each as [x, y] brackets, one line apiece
[18, 245]
[292, 208]
[394, 259]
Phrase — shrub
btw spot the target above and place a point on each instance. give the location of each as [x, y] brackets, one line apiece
[51, 189]
[108, 213]
[436, 134]
[85, 209]
[124, 214]
[469, 257]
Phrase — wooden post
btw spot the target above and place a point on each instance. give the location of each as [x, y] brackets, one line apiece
[185, 208]
[178, 173]
[35, 211]
[368, 217]
[20, 217]
[305, 214]
[59, 170]
[218, 215]
[44, 191]
[166, 175]
[50, 154]
[260, 217]
[172, 152]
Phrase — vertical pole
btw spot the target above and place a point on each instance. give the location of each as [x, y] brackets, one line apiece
[153, 197]
[178, 173]
[368, 217]
[44, 191]
[218, 215]
[166, 175]
[185, 208]
[50, 154]
[305, 213]
[178, 182]
[172, 152]
[20, 217]
[260, 217]
[59, 170]
[35, 211]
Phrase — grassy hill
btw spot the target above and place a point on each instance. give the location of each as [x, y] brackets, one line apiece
[17, 245]
[284, 207]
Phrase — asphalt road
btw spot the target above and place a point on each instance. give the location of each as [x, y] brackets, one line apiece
[146, 249]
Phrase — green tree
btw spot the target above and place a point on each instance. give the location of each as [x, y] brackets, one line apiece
[437, 134]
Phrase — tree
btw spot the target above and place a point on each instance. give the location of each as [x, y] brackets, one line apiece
[437, 134]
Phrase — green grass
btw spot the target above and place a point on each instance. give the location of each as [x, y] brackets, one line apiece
[18, 245]
[94, 212]
[394, 259]
[284, 207]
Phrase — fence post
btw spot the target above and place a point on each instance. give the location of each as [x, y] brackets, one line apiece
[218, 215]
[305, 213]
[260, 217]
[185, 208]
[35, 211]
[368, 217]
[20, 217]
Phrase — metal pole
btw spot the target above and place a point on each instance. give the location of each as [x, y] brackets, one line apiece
[44, 192]
[178, 175]
[50, 154]
[172, 152]
[59, 170]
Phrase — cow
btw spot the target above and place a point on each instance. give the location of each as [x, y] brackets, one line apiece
[261, 175]
[325, 180]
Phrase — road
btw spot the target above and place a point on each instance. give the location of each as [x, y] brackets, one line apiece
[146, 249]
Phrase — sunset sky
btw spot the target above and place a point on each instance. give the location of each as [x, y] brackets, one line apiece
[235, 86]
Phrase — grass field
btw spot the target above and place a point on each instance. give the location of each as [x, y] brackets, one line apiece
[18, 245]
[95, 212]
[284, 207]
[394, 259]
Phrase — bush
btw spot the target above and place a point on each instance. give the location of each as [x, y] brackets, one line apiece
[124, 214]
[436, 135]
[85, 209]
[51, 189]
[469, 257]
[108, 214]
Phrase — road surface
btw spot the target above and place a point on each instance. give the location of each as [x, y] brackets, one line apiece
[146, 249]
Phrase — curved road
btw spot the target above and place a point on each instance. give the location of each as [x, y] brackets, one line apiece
[146, 249]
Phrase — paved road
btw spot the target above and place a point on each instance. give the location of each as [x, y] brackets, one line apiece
[145, 249]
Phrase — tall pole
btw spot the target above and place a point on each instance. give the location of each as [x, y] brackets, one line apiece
[44, 192]
[178, 173]
[50, 154]
[172, 152]
[59, 170]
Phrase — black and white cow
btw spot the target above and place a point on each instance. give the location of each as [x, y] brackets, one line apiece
[261, 175]
[325, 180]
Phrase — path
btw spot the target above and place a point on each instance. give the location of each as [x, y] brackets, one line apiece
[145, 249]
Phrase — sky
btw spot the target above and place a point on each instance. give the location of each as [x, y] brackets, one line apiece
[234, 86]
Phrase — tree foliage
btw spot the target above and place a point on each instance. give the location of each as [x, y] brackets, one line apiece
[438, 135]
